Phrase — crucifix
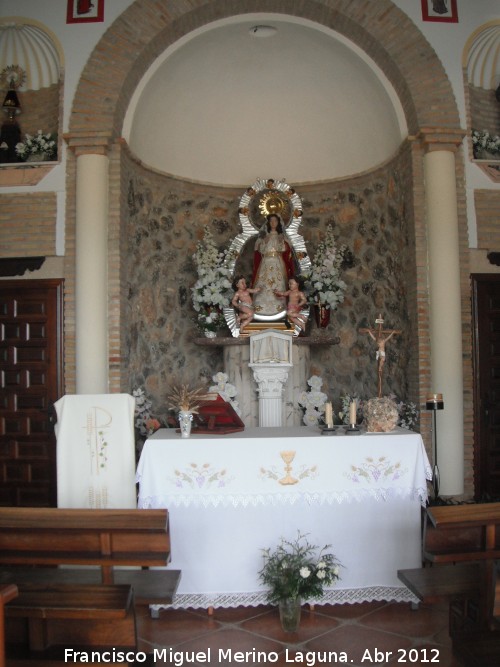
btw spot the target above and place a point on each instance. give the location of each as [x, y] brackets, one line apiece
[380, 336]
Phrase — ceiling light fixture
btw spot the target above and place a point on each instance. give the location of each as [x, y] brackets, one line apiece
[263, 31]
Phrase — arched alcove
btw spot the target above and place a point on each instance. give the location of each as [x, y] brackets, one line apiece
[32, 53]
[117, 66]
[481, 64]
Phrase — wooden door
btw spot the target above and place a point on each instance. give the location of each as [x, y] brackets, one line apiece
[30, 382]
[486, 342]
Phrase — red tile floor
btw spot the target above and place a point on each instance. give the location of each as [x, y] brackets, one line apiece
[359, 635]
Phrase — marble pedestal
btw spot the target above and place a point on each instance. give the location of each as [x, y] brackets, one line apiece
[236, 356]
[236, 360]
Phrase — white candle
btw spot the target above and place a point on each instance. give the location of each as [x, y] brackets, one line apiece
[329, 415]
[352, 412]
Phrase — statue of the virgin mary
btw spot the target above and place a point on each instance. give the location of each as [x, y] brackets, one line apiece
[274, 265]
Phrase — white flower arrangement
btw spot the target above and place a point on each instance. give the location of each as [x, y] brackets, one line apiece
[324, 284]
[225, 389]
[144, 422]
[37, 144]
[313, 401]
[345, 402]
[408, 413]
[483, 141]
[213, 290]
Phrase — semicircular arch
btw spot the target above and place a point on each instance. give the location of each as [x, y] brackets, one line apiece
[147, 27]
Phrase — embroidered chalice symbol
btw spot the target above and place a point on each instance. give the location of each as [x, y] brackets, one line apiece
[288, 458]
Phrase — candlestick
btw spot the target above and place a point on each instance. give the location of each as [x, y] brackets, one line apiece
[329, 415]
[352, 413]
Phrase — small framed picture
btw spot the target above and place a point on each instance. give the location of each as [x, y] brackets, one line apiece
[85, 11]
[440, 10]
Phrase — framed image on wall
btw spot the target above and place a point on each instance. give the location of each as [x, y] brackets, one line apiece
[85, 11]
[440, 10]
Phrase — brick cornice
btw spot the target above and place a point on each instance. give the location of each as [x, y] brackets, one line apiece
[84, 143]
[440, 138]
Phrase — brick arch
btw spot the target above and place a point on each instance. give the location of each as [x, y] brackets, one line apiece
[148, 27]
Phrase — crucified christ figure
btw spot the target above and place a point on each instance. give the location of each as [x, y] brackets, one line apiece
[380, 336]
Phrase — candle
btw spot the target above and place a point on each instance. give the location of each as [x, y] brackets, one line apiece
[352, 413]
[328, 415]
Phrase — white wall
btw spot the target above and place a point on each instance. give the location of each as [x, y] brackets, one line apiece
[226, 106]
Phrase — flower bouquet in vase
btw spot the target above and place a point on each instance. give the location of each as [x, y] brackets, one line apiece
[37, 148]
[294, 572]
[324, 286]
[213, 290]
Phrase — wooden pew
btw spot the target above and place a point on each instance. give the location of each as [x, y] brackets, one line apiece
[459, 533]
[73, 615]
[466, 547]
[7, 593]
[35, 541]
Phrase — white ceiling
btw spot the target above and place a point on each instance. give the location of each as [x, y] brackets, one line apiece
[223, 106]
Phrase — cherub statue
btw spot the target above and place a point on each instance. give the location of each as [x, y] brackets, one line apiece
[296, 300]
[242, 301]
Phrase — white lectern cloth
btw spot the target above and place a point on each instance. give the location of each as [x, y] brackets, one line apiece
[96, 451]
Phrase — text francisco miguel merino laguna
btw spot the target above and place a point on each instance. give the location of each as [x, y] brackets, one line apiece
[219, 656]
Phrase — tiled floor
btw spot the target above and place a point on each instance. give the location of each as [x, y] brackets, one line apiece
[358, 634]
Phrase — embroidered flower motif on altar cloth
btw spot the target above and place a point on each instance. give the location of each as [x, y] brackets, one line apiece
[374, 470]
[275, 473]
[202, 476]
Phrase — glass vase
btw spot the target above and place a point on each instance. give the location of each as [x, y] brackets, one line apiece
[185, 421]
[290, 614]
[322, 316]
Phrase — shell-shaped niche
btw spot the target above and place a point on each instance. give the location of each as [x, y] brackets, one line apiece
[31, 63]
[33, 49]
[482, 62]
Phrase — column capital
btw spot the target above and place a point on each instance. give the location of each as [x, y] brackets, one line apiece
[440, 138]
[270, 379]
[84, 143]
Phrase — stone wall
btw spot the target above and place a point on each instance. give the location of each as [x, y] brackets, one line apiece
[166, 218]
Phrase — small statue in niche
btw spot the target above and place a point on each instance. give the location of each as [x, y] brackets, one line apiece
[296, 301]
[242, 301]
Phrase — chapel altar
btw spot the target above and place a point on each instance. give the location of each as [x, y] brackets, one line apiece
[230, 497]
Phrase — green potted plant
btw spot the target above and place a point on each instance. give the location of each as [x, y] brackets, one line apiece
[294, 572]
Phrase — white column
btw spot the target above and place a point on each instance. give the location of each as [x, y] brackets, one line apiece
[270, 382]
[91, 291]
[445, 315]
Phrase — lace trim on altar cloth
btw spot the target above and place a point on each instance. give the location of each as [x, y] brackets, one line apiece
[255, 500]
[258, 598]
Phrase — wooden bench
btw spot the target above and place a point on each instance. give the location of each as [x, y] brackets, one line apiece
[463, 549]
[459, 533]
[72, 616]
[7, 593]
[35, 542]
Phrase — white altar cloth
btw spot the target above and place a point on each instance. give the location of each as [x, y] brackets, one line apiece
[227, 501]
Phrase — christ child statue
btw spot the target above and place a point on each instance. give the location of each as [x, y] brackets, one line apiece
[242, 301]
[296, 300]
